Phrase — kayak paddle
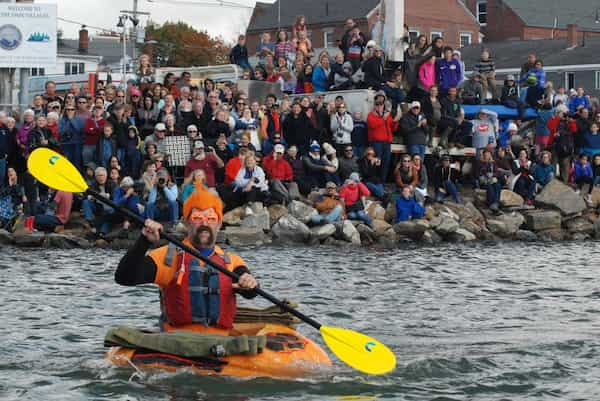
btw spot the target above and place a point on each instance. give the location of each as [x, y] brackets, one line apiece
[358, 350]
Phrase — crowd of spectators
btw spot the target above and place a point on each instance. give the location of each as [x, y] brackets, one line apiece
[281, 150]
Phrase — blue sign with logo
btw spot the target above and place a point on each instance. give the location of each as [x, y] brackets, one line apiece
[10, 37]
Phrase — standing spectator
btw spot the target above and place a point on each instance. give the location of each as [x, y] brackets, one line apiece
[97, 214]
[591, 141]
[321, 73]
[353, 46]
[530, 64]
[486, 67]
[5, 147]
[40, 136]
[580, 99]
[265, 47]
[147, 116]
[373, 69]
[209, 162]
[352, 194]
[414, 128]
[484, 131]
[239, 54]
[524, 183]
[217, 126]
[285, 48]
[359, 135]
[427, 75]
[561, 97]
[437, 47]
[489, 179]
[407, 208]
[281, 177]
[445, 180]
[456, 55]
[299, 26]
[298, 129]
[91, 134]
[145, 72]
[106, 147]
[341, 128]
[448, 71]
[380, 126]
[595, 169]
[432, 110]
[162, 201]
[536, 81]
[71, 136]
[448, 125]
[132, 157]
[562, 130]
[583, 173]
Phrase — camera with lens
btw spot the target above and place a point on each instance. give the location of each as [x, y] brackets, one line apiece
[162, 181]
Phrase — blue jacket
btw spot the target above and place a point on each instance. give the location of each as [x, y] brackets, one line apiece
[540, 75]
[320, 80]
[448, 73]
[407, 209]
[71, 131]
[129, 203]
[543, 173]
[577, 101]
[583, 170]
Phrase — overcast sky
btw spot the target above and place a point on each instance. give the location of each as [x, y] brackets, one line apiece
[227, 22]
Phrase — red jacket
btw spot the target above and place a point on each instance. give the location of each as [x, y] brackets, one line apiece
[353, 192]
[278, 169]
[92, 130]
[232, 167]
[553, 127]
[380, 130]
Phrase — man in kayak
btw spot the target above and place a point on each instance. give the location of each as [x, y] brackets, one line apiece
[194, 296]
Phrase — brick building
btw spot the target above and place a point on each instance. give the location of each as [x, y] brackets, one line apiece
[535, 19]
[448, 18]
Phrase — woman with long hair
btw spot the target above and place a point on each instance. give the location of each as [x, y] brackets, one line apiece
[284, 48]
[321, 73]
[299, 26]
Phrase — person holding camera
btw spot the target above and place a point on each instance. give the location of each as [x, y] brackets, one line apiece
[341, 127]
[250, 184]
[208, 161]
[489, 179]
[563, 129]
[162, 203]
[125, 195]
[95, 213]
[415, 129]
[380, 127]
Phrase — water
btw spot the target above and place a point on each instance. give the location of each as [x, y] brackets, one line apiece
[482, 322]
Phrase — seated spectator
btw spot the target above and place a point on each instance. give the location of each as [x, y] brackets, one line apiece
[544, 171]
[342, 79]
[208, 161]
[394, 89]
[250, 184]
[348, 164]
[97, 214]
[330, 159]
[407, 208]
[510, 96]
[432, 111]
[583, 173]
[234, 165]
[297, 165]
[315, 168]
[247, 124]
[124, 195]
[580, 99]
[245, 142]
[12, 198]
[452, 116]
[591, 141]
[239, 54]
[423, 181]
[132, 158]
[114, 176]
[406, 175]
[56, 213]
[40, 136]
[472, 90]
[596, 170]
[373, 69]
[445, 180]
[329, 207]
[487, 70]
[359, 135]
[162, 203]
[535, 79]
[269, 143]
[369, 167]
[489, 179]
[190, 183]
[281, 178]
[505, 161]
[352, 194]
[321, 73]
[523, 182]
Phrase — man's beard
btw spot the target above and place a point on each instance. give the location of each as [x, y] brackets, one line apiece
[195, 236]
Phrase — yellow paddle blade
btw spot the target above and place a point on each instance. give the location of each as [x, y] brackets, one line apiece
[359, 351]
[55, 170]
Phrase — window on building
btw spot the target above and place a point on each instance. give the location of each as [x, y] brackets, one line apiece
[328, 38]
[74, 68]
[465, 39]
[413, 33]
[597, 80]
[570, 80]
[434, 34]
[37, 72]
[482, 12]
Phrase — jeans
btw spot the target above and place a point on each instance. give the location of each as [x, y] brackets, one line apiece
[328, 218]
[383, 150]
[89, 154]
[46, 222]
[596, 180]
[376, 189]
[360, 215]
[451, 190]
[417, 150]
[516, 104]
[493, 193]
[96, 215]
[358, 151]
[2, 172]
[169, 214]
[245, 64]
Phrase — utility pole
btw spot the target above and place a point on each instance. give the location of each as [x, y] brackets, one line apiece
[133, 17]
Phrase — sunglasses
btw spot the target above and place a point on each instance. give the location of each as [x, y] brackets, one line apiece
[378, 104]
[121, 96]
[82, 101]
[135, 95]
[70, 109]
[241, 103]
[350, 150]
[201, 218]
[192, 131]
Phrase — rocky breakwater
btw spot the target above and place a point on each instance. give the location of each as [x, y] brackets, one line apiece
[559, 214]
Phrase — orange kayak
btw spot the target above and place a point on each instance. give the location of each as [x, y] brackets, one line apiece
[288, 355]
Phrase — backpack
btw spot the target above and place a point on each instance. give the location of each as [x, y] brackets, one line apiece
[564, 144]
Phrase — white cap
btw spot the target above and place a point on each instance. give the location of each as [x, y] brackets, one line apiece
[279, 148]
[371, 43]
[414, 104]
[512, 127]
[198, 145]
[160, 127]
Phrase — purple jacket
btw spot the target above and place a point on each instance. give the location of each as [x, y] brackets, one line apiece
[23, 135]
[448, 73]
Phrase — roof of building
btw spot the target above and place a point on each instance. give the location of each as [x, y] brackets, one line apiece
[316, 12]
[544, 13]
[109, 49]
[553, 52]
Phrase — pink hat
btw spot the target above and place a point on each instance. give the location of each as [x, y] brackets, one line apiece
[136, 92]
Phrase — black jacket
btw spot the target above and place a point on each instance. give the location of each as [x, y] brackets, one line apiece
[298, 131]
[413, 135]
[120, 129]
[213, 129]
[369, 172]
[441, 175]
[373, 70]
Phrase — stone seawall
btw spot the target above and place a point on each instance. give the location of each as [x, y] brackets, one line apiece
[559, 214]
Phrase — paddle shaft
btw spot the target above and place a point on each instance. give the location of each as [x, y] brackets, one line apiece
[198, 255]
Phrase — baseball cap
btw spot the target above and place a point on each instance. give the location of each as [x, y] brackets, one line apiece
[279, 148]
[198, 145]
[510, 77]
[354, 177]
[446, 157]
[315, 147]
[512, 127]
[160, 127]
[414, 104]
[330, 184]
[371, 43]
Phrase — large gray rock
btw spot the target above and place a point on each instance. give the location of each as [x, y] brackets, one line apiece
[526, 236]
[461, 235]
[430, 237]
[553, 235]
[234, 217]
[350, 233]
[29, 240]
[367, 234]
[471, 226]
[259, 219]
[375, 211]
[322, 232]
[447, 226]
[275, 213]
[381, 226]
[543, 220]
[411, 228]
[390, 212]
[579, 225]
[61, 241]
[597, 228]
[244, 236]
[301, 211]
[509, 198]
[506, 225]
[290, 229]
[559, 196]
[5, 237]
